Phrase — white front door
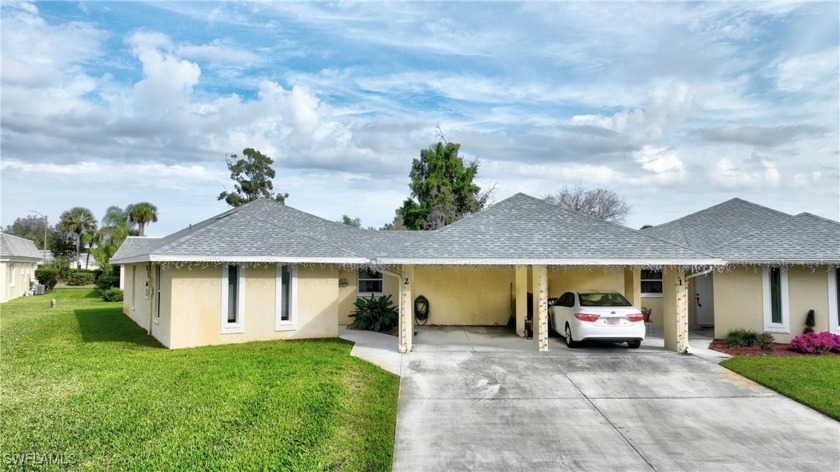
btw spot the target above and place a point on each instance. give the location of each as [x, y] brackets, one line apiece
[704, 306]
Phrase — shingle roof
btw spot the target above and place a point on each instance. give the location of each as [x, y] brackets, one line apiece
[14, 247]
[744, 232]
[803, 239]
[708, 229]
[525, 230]
[261, 231]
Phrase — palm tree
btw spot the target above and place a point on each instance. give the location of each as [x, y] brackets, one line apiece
[142, 213]
[78, 220]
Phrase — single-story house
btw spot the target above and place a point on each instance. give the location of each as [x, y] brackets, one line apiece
[266, 271]
[18, 260]
[778, 267]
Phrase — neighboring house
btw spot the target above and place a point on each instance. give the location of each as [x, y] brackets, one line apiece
[86, 261]
[779, 266]
[267, 271]
[18, 260]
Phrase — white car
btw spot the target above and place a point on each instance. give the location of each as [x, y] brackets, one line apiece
[596, 316]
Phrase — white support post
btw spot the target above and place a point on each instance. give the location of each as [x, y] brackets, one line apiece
[406, 318]
[540, 322]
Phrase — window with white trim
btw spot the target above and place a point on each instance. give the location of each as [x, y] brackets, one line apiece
[370, 282]
[285, 316]
[233, 299]
[651, 281]
[157, 294]
[776, 305]
[834, 300]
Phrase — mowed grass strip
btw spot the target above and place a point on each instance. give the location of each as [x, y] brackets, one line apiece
[83, 383]
[811, 380]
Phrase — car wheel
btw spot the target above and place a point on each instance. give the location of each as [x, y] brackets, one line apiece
[569, 341]
[634, 344]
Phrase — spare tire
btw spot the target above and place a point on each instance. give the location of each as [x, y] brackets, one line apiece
[421, 310]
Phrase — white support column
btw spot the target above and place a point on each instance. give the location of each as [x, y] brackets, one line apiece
[406, 319]
[675, 309]
[521, 296]
[540, 322]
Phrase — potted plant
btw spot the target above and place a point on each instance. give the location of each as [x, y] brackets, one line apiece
[646, 312]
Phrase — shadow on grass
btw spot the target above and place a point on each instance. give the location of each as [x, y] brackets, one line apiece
[108, 324]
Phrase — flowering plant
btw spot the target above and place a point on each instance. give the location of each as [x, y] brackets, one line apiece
[813, 343]
[647, 311]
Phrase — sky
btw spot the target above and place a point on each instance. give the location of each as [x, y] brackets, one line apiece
[675, 106]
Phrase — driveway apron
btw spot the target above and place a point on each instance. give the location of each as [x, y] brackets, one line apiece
[598, 409]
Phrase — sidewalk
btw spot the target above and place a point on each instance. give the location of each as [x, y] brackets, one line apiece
[377, 348]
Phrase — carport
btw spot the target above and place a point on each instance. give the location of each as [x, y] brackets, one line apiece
[532, 239]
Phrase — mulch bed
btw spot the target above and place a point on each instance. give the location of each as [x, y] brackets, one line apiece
[782, 350]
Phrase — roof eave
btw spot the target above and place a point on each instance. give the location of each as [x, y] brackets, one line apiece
[548, 262]
[242, 259]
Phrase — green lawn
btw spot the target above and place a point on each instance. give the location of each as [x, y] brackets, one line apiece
[811, 380]
[83, 384]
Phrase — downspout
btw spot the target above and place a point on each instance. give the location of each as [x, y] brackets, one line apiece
[149, 273]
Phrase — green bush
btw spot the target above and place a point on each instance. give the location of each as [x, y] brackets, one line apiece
[810, 322]
[741, 338]
[107, 281]
[61, 265]
[113, 294]
[375, 314]
[766, 342]
[80, 277]
[47, 277]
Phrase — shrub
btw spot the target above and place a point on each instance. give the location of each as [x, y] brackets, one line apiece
[113, 294]
[813, 343]
[47, 277]
[766, 342]
[79, 277]
[107, 281]
[375, 314]
[741, 338]
[809, 322]
[61, 265]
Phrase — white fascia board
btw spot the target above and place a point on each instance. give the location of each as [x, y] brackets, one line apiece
[551, 262]
[258, 259]
[827, 262]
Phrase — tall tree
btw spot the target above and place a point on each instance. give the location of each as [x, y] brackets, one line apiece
[79, 221]
[115, 228]
[252, 174]
[29, 227]
[599, 202]
[442, 188]
[141, 214]
[354, 222]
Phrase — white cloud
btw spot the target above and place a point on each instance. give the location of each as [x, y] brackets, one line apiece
[757, 171]
[818, 69]
[660, 161]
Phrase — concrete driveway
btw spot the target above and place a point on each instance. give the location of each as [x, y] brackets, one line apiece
[494, 403]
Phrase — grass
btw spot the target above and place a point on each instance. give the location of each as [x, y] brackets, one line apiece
[811, 380]
[84, 386]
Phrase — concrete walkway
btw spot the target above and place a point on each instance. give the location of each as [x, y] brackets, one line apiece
[473, 400]
[377, 348]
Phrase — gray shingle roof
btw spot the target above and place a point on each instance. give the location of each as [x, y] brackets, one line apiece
[744, 232]
[803, 239]
[525, 230]
[708, 229]
[14, 247]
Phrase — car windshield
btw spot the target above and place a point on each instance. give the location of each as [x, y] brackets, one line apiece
[602, 299]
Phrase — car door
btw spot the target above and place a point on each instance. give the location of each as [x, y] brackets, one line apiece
[564, 307]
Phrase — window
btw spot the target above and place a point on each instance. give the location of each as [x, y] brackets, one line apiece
[370, 281]
[651, 283]
[133, 285]
[567, 300]
[776, 309]
[233, 299]
[284, 319]
[157, 297]
[834, 300]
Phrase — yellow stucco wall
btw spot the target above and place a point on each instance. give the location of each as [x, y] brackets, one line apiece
[655, 303]
[16, 278]
[196, 306]
[561, 280]
[465, 295]
[738, 299]
[808, 291]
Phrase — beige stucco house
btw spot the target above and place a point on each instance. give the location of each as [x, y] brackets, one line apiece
[18, 260]
[778, 267]
[267, 271]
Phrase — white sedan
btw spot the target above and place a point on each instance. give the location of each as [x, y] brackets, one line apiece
[596, 316]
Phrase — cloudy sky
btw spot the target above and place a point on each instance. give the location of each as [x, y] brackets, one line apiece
[676, 106]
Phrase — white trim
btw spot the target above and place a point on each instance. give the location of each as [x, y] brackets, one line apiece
[239, 326]
[359, 279]
[243, 259]
[769, 326]
[833, 301]
[291, 324]
[547, 262]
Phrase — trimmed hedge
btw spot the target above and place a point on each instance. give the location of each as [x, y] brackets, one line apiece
[80, 277]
